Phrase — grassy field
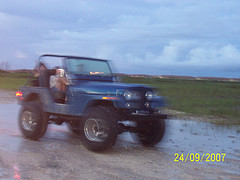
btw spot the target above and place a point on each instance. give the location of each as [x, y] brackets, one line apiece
[218, 101]
[11, 81]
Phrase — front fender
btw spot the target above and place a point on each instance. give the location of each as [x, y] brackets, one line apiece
[159, 101]
[101, 100]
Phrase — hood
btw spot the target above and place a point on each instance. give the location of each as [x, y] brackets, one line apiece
[109, 88]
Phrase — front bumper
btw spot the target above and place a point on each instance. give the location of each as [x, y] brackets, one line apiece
[145, 117]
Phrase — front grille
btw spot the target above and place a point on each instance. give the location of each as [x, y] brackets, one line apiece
[139, 104]
[136, 105]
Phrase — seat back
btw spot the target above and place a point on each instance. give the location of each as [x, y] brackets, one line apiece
[44, 79]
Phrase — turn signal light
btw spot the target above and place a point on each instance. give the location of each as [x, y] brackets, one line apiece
[108, 98]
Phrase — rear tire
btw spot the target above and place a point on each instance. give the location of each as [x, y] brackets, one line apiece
[150, 133]
[99, 129]
[32, 120]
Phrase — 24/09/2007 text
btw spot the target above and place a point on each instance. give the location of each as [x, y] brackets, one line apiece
[207, 157]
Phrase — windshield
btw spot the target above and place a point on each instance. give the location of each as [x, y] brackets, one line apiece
[88, 67]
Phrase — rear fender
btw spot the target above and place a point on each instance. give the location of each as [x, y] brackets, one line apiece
[39, 94]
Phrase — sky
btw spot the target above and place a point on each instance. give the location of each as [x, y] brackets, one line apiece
[156, 37]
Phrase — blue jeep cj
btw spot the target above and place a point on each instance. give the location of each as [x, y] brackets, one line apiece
[96, 105]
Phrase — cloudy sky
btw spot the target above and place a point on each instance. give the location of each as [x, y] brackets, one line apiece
[161, 37]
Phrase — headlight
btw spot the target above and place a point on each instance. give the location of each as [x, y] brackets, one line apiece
[132, 95]
[149, 95]
[128, 95]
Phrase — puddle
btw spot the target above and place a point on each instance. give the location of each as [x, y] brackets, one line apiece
[200, 137]
[185, 137]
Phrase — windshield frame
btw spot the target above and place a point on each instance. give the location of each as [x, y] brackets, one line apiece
[64, 58]
[88, 59]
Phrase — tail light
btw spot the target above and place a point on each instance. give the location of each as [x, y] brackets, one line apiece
[19, 94]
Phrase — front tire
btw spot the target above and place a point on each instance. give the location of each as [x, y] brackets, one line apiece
[150, 133]
[99, 129]
[32, 120]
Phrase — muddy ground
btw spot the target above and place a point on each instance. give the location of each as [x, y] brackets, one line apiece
[60, 154]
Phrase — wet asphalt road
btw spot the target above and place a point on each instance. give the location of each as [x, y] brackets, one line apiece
[60, 154]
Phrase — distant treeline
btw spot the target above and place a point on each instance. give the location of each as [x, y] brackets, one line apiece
[146, 76]
[179, 77]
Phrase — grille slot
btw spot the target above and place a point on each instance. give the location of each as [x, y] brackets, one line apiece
[138, 103]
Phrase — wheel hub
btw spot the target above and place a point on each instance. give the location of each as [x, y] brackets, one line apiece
[95, 130]
[29, 121]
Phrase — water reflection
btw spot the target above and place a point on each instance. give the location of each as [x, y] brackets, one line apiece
[17, 174]
[201, 137]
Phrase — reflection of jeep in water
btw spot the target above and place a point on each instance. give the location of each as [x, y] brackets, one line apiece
[97, 107]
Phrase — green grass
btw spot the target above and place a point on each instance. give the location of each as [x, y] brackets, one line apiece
[201, 98]
[11, 81]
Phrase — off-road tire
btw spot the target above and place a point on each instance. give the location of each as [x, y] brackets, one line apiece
[40, 120]
[150, 133]
[103, 121]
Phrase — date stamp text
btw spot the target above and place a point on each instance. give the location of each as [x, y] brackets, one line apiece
[197, 157]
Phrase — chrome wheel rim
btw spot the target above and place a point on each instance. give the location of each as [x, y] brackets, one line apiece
[29, 121]
[95, 130]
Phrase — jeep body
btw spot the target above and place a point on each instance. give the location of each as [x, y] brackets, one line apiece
[95, 89]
